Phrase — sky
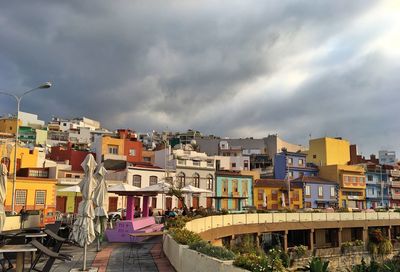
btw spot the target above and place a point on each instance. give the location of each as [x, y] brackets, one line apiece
[228, 68]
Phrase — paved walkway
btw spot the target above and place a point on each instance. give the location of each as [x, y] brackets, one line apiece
[118, 257]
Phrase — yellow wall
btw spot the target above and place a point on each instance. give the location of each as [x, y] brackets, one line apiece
[8, 125]
[31, 185]
[270, 202]
[70, 198]
[338, 172]
[106, 141]
[254, 174]
[328, 151]
[28, 158]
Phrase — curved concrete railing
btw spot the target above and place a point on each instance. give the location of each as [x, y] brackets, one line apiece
[216, 221]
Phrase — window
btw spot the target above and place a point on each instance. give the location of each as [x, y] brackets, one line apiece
[225, 185]
[181, 180]
[301, 162]
[353, 179]
[261, 194]
[314, 156]
[290, 174]
[246, 165]
[290, 161]
[40, 198]
[196, 163]
[20, 197]
[320, 191]
[132, 152]
[274, 195]
[235, 185]
[308, 190]
[137, 181]
[146, 159]
[153, 180]
[233, 164]
[210, 182]
[210, 163]
[68, 175]
[113, 149]
[333, 193]
[196, 180]
[370, 178]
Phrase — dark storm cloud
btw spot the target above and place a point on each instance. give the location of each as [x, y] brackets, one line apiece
[155, 64]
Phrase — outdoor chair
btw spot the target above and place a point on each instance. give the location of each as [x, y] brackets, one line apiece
[54, 242]
[52, 257]
[15, 239]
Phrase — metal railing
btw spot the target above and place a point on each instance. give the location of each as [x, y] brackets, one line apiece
[216, 221]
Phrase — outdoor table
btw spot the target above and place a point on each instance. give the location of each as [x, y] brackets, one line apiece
[145, 234]
[20, 250]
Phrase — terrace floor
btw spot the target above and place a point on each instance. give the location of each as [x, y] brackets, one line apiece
[116, 257]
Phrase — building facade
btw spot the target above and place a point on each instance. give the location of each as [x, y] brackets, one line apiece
[292, 166]
[328, 151]
[233, 190]
[377, 186]
[273, 194]
[318, 192]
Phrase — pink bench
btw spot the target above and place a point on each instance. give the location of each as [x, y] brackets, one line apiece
[139, 225]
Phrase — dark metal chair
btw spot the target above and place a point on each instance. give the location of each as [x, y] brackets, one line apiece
[52, 257]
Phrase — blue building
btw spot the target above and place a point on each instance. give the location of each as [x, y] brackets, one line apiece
[294, 164]
[233, 190]
[318, 192]
[377, 182]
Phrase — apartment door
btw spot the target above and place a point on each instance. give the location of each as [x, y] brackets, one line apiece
[168, 203]
[195, 200]
[209, 202]
[224, 204]
[112, 204]
[180, 203]
[154, 202]
[61, 204]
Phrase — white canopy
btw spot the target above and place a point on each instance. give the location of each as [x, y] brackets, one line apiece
[100, 193]
[161, 187]
[194, 190]
[3, 193]
[71, 189]
[123, 187]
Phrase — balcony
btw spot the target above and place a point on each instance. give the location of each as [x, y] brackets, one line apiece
[395, 183]
[69, 181]
[114, 157]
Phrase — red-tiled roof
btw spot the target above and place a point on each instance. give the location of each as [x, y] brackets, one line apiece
[313, 179]
[275, 183]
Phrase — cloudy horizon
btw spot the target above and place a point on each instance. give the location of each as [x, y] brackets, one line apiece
[228, 68]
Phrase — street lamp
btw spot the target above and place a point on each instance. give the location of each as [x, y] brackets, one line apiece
[18, 99]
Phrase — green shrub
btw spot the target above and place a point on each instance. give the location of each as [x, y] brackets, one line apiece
[178, 222]
[184, 236]
[385, 247]
[300, 251]
[216, 251]
[258, 263]
[316, 264]
[358, 242]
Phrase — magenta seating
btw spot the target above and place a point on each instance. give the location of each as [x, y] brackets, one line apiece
[122, 229]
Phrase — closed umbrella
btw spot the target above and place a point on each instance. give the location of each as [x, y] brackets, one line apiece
[83, 230]
[3, 192]
[100, 199]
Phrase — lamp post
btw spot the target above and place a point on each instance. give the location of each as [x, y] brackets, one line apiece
[18, 99]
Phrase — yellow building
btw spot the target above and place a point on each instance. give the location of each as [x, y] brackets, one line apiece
[67, 202]
[270, 194]
[35, 193]
[25, 157]
[8, 125]
[352, 182]
[328, 151]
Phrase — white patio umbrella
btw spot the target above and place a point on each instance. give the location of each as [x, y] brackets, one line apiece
[3, 193]
[71, 189]
[100, 199]
[283, 200]
[194, 190]
[83, 230]
[122, 187]
[161, 187]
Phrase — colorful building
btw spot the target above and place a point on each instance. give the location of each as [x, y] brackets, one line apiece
[292, 165]
[351, 179]
[318, 192]
[67, 202]
[33, 189]
[69, 155]
[328, 151]
[377, 191]
[124, 146]
[8, 125]
[272, 194]
[25, 157]
[394, 183]
[233, 190]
